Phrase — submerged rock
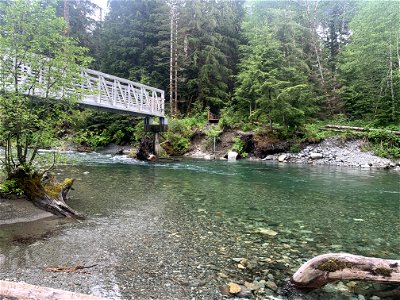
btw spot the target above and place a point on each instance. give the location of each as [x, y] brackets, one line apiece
[234, 288]
[271, 285]
[266, 231]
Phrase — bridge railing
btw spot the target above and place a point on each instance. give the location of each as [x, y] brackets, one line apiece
[98, 90]
[112, 92]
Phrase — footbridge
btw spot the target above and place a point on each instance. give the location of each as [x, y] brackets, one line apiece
[111, 93]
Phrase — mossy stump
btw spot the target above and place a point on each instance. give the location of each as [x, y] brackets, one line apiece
[48, 195]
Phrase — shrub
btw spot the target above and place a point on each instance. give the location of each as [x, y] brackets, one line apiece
[9, 187]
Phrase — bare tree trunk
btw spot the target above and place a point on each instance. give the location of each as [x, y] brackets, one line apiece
[50, 196]
[393, 106]
[173, 66]
[331, 96]
[171, 61]
[176, 64]
[314, 43]
[66, 17]
[342, 266]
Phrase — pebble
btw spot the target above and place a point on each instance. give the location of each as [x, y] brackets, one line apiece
[271, 285]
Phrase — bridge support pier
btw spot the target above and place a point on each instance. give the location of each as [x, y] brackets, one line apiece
[157, 147]
[162, 126]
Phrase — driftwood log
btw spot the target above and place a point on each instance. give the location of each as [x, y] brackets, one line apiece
[21, 290]
[342, 128]
[342, 266]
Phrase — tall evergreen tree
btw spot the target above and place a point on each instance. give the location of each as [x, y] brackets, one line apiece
[273, 81]
[209, 38]
[131, 41]
[328, 23]
[371, 64]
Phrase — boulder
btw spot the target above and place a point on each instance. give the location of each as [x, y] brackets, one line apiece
[282, 157]
[316, 155]
[232, 155]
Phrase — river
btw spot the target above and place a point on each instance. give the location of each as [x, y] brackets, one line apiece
[183, 229]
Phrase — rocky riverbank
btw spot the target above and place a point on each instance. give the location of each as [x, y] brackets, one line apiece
[336, 152]
[332, 151]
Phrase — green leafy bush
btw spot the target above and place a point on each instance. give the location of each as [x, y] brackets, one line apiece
[239, 146]
[9, 187]
[383, 143]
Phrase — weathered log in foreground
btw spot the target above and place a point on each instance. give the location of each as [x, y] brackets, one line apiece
[342, 266]
[21, 290]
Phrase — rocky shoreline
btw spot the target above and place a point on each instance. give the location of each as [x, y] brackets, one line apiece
[335, 152]
[332, 151]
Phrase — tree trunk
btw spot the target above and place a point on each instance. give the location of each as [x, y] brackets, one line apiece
[50, 196]
[146, 148]
[342, 266]
[361, 129]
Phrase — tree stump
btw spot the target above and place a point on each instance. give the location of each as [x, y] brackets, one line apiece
[50, 196]
[343, 266]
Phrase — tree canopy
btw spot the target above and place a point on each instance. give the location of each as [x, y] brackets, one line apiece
[39, 63]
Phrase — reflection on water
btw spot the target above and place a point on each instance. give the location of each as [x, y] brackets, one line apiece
[180, 208]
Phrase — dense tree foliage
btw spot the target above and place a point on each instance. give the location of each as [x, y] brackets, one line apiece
[209, 35]
[273, 81]
[130, 38]
[37, 59]
[38, 63]
[371, 64]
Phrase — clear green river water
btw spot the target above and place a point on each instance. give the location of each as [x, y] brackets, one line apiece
[177, 229]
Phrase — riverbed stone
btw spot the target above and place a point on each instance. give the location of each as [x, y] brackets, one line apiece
[244, 292]
[251, 285]
[234, 288]
[266, 231]
[316, 155]
[271, 285]
[232, 155]
[282, 157]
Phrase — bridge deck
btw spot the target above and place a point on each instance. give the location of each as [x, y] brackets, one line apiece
[113, 93]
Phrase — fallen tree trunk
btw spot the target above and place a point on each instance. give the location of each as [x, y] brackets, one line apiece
[342, 266]
[361, 129]
[21, 290]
